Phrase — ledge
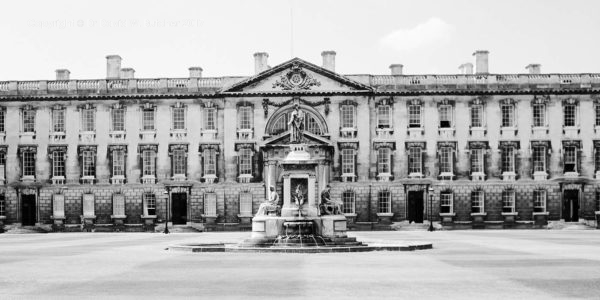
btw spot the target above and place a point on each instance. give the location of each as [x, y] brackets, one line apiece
[510, 213]
[385, 214]
[541, 213]
[479, 214]
[118, 216]
[354, 215]
[244, 216]
[447, 214]
[148, 217]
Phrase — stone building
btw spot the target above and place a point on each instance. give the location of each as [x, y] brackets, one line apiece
[468, 150]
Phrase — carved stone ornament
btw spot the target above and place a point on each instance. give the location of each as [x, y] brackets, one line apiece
[415, 145]
[378, 145]
[541, 144]
[478, 145]
[55, 148]
[509, 144]
[175, 147]
[477, 101]
[348, 145]
[112, 148]
[541, 99]
[414, 102]
[3, 149]
[446, 144]
[415, 187]
[83, 148]
[446, 101]
[571, 143]
[239, 146]
[209, 147]
[296, 79]
[570, 101]
[151, 147]
[508, 101]
[27, 148]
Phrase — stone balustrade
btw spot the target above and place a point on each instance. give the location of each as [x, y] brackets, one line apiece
[381, 82]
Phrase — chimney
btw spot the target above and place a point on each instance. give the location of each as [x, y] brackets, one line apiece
[195, 72]
[260, 62]
[481, 61]
[113, 67]
[329, 60]
[127, 73]
[62, 74]
[466, 69]
[396, 69]
[534, 68]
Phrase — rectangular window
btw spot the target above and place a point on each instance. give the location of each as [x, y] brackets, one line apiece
[2, 166]
[383, 161]
[118, 163]
[210, 204]
[477, 116]
[210, 119]
[148, 119]
[508, 159]
[28, 120]
[477, 202]
[2, 119]
[149, 163]
[446, 202]
[383, 116]
[348, 116]
[414, 116]
[384, 202]
[539, 159]
[88, 122]
[245, 162]
[178, 117]
[570, 115]
[347, 162]
[508, 201]
[89, 163]
[150, 204]
[477, 161]
[2, 205]
[58, 164]
[179, 162]
[446, 160]
[414, 160]
[58, 120]
[28, 164]
[245, 117]
[570, 159]
[539, 201]
[118, 119]
[445, 116]
[597, 109]
[245, 204]
[348, 200]
[539, 115]
[508, 115]
[210, 162]
[597, 159]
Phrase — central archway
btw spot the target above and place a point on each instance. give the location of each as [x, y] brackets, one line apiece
[314, 122]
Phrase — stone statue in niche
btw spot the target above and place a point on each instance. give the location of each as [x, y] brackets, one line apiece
[296, 124]
[298, 196]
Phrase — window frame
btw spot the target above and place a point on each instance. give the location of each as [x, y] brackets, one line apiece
[88, 164]
[508, 117]
[478, 202]
[348, 202]
[88, 119]
[245, 162]
[384, 202]
[538, 157]
[539, 197]
[415, 114]
[345, 115]
[446, 114]
[148, 163]
[209, 162]
[179, 162]
[148, 119]
[473, 108]
[58, 164]
[539, 115]
[509, 201]
[414, 164]
[28, 164]
[28, 120]
[245, 118]
[149, 200]
[384, 161]
[117, 117]
[446, 160]
[568, 119]
[348, 161]
[446, 202]
[118, 161]
[384, 116]
[58, 119]
[570, 159]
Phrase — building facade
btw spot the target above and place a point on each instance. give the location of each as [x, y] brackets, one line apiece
[468, 150]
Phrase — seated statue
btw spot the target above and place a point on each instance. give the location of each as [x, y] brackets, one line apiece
[271, 204]
[328, 206]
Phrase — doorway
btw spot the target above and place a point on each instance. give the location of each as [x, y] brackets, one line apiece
[179, 208]
[415, 206]
[28, 214]
[571, 205]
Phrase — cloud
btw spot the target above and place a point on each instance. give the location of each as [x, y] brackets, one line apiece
[432, 31]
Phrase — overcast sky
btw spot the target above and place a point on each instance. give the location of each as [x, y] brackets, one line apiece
[164, 38]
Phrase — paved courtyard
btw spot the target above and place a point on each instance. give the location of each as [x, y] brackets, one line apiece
[486, 264]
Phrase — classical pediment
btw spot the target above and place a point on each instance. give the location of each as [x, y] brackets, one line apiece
[283, 140]
[296, 76]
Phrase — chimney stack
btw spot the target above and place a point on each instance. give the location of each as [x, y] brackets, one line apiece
[260, 62]
[329, 60]
[481, 62]
[195, 72]
[534, 68]
[113, 67]
[62, 74]
[396, 69]
[127, 73]
[466, 69]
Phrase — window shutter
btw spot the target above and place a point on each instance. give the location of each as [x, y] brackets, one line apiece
[202, 158]
[454, 160]
[95, 165]
[185, 164]
[531, 167]
[392, 163]
[579, 155]
[424, 173]
[110, 162]
[256, 166]
[340, 166]
[239, 160]
[487, 156]
[517, 163]
[562, 160]
[217, 173]
[547, 157]
[355, 157]
[470, 158]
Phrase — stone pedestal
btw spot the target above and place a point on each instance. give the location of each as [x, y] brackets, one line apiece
[334, 226]
[88, 223]
[540, 219]
[118, 222]
[509, 219]
[478, 220]
[266, 227]
[149, 222]
[58, 223]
